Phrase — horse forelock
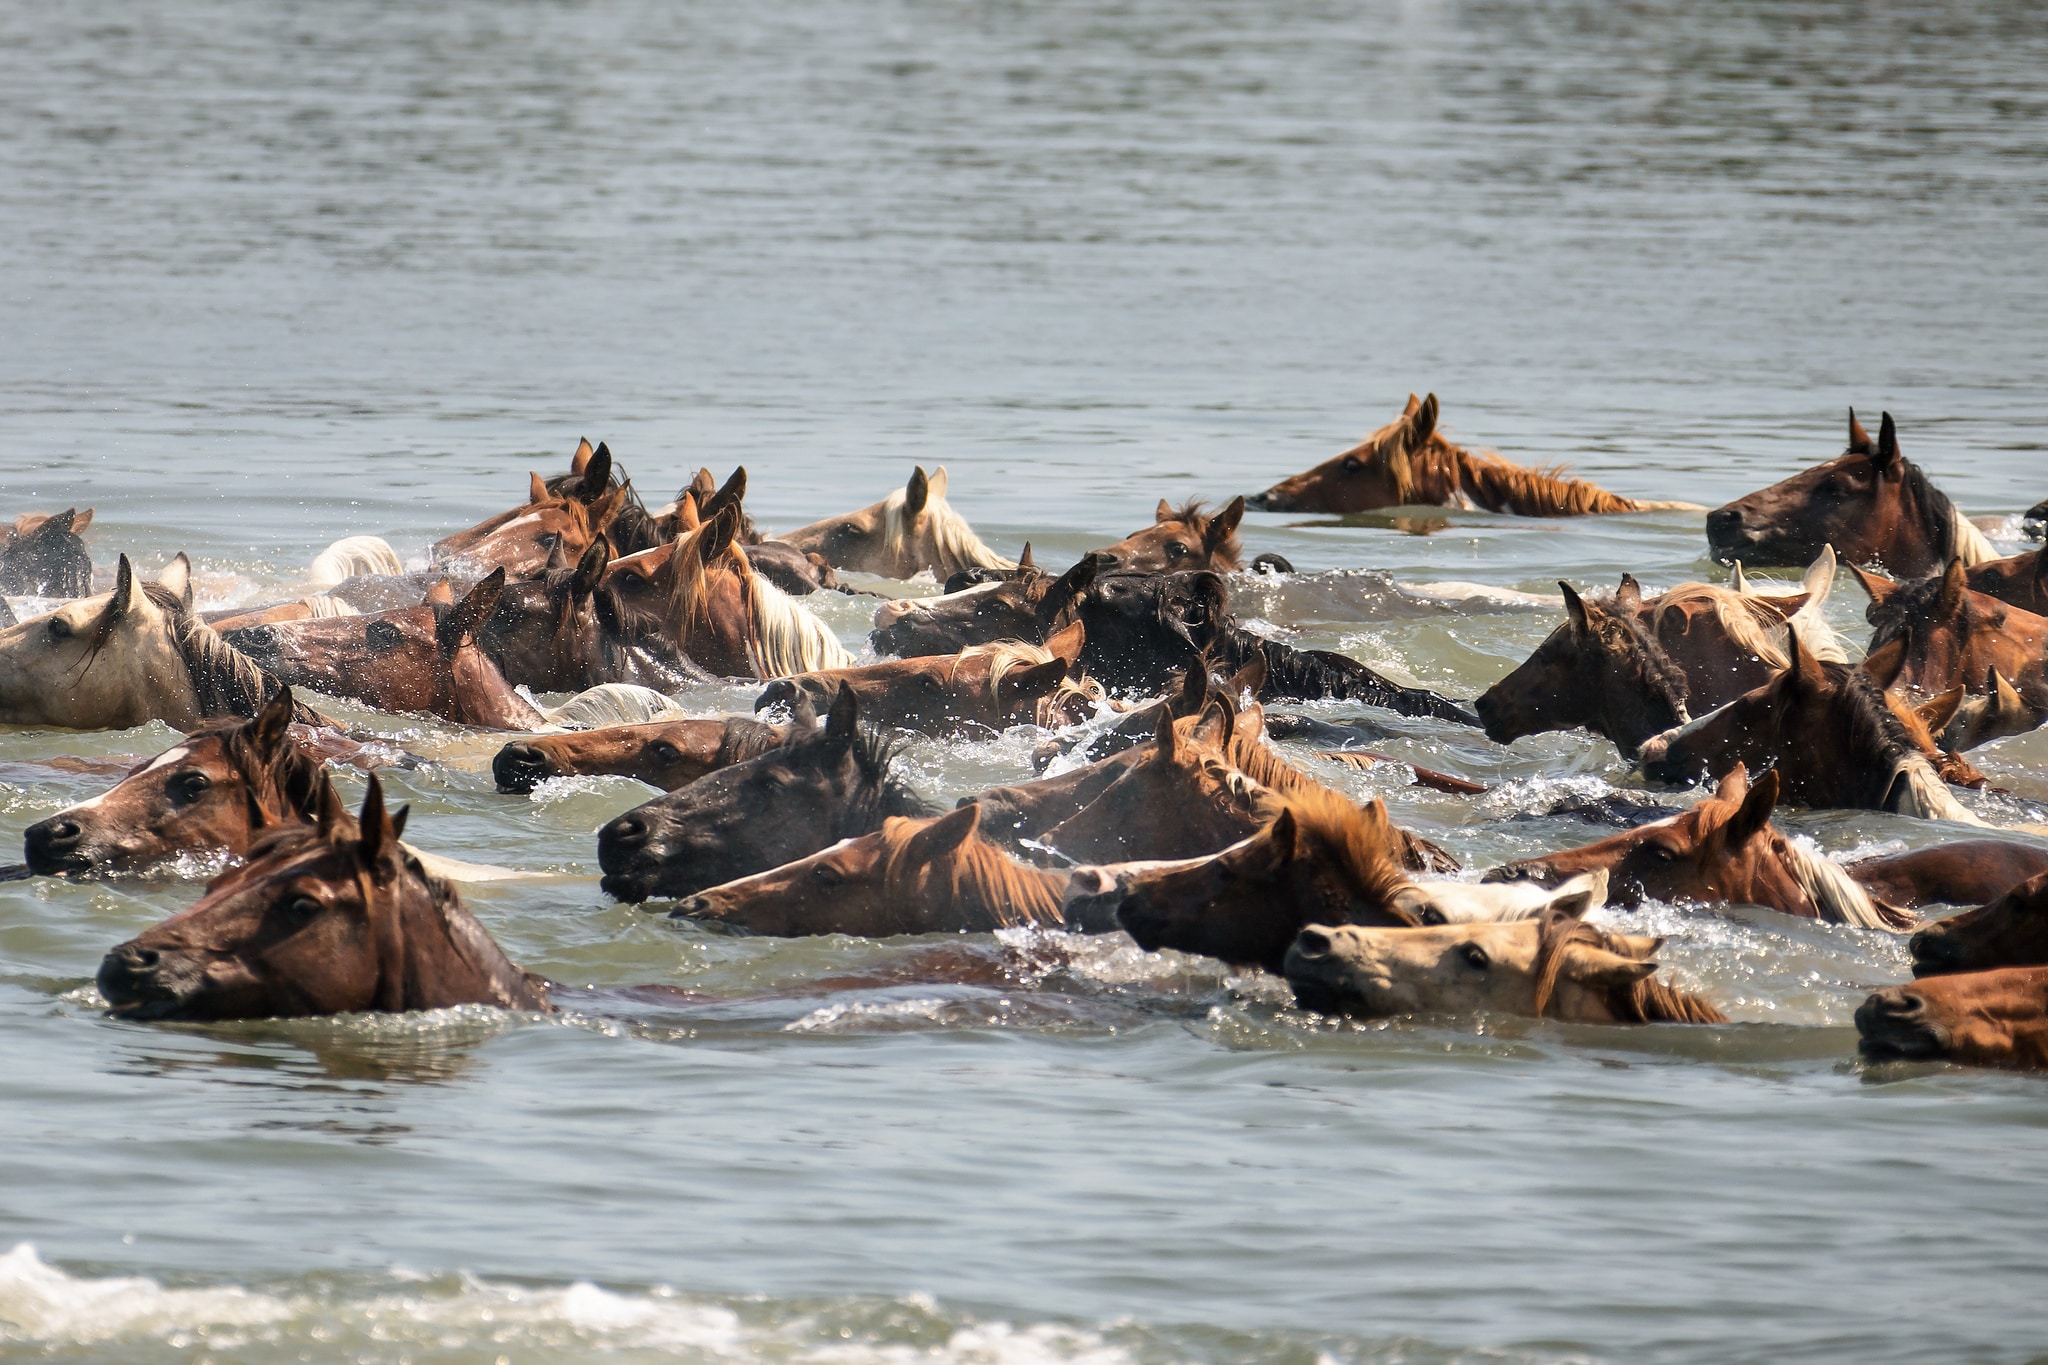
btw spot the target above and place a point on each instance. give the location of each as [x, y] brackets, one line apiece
[1746, 621]
[1351, 842]
[1625, 640]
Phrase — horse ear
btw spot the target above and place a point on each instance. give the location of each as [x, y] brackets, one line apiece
[1194, 687]
[581, 459]
[1955, 581]
[1754, 813]
[176, 579]
[1575, 610]
[1251, 722]
[1738, 581]
[271, 729]
[916, 492]
[1805, 667]
[803, 713]
[1629, 596]
[937, 483]
[1597, 969]
[605, 508]
[1884, 665]
[2005, 698]
[1423, 424]
[1886, 456]
[1164, 739]
[440, 595]
[1735, 785]
[943, 835]
[472, 611]
[701, 486]
[842, 721]
[731, 494]
[1936, 712]
[536, 488]
[1877, 585]
[596, 476]
[333, 816]
[1163, 512]
[81, 521]
[590, 569]
[1024, 560]
[558, 555]
[126, 592]
[1224, 524]
[1218, 722]
[1064, 589]
[1859, 439]
[1037, 680]
[1066, 644]
[1281, 835]
[719, 534]
[377, 839]
[1249, 681]
[61, 522]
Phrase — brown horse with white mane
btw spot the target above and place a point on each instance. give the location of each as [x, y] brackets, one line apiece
[911, 530]
[1408, 463]
[330, 918]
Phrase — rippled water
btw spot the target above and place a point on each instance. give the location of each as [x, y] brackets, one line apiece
[276, 274]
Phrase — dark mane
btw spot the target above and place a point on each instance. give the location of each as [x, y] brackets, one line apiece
[1914, 604]
[1937, 513]
[294, 775]
[1194, 515]
[1638, 653]
[226, 681]
[1873, 729]
[744, 739]
[1316, 674]
[880, 793]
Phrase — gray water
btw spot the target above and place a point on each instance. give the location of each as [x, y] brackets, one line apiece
[276, 274]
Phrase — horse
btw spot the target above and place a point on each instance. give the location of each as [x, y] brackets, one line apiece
[1180, 538]
[2000, 710]
[1179, 798]
[667, 754]
[1006, 607]
[981, 689]
[44, 555]
[1723, 849]
[815, 788]
[911, 530]
[912, 876]
[134, 655]
[318, 607]
[1870, 502]
[1949, 635]
[567, 513]
[2021, 581]
[1408, 463]
[1957, 872]
[1996, 1018]
[1828, 729]
[1554, 966]
[1727, 640]
[2010, 931]
[329, 918]
[423, 659]
[570, 629]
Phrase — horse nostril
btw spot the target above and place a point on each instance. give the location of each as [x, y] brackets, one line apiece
[518, 767]
[627, 829]
[144, 958]
[1312, 944]
[62, 832]
[690, 907]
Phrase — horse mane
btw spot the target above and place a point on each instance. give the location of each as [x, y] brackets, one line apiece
[745, 738]
[1194, 515]
[471, 942]
[880, 793]
[1499, 486]
[977, 874]
[1643, 1001]
[1914, 604]
[1355, 842]
[1005, 657]
[226, 681]
[953, 541]
[614, 704]
[1626, 640]
[292, 776]
[1838, 897]
[785, 637]
[1951, 534]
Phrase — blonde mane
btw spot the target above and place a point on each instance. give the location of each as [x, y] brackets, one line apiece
[1005, 656]
[1972, 546]
[1752, 624]
[346, 558]
[1838, 897]
[1644, 1001]
[952, 542]
[1923, 795]
[1445, 475]
[975, 875]
[1356, 842]
[784, 636]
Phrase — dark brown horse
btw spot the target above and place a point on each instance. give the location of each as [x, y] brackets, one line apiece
[2021, 580]
[1997, 1018]
[2011, 931]
[1601, 670]
[1008, 607]
[912, 876]
[43, 555]
[330, 918]
[1949, 635]
[667, 754]
[1870, 502]
[813, 790]
[1408, 463]
[1179, 538]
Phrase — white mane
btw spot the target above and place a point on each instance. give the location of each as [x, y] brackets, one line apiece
[346, 558]
[1838, 897]
[1924, 796]
[324, 607]
[614, 704]
[1972, 546]
[953, 541]
[786, 637]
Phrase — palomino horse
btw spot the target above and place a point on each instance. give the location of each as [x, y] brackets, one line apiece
[984, 688]
[1997, 1018]
[1870, 502]
[667, 754]
[912, 876]
[815, 788]
[1184, 537]
[422, 659]
[330, 918]
[1722, 850]
[1408, 463]
[911, 530]
[1828, 730]
[2011, 931]
[133, 655]
[1949, 635]
[43, 555]
[1555, 966]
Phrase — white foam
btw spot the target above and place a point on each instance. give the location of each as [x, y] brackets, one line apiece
[41, 1303]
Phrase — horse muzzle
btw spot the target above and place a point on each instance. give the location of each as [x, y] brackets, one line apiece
[142, 983]
[56, 847]
[519, 768]
[1894, 1026]
[1934, 953]
[1728, 536]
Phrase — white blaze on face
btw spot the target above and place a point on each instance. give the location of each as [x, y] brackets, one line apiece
[166, 759]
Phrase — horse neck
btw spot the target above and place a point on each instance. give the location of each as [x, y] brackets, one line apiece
[161, 685]
[1436, 474]
[479, 695]
[447, 959]
[984, 889]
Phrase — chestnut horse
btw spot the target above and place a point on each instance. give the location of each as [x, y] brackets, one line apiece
[2011, 931]
[329, 918]
[1408, 463]
[1724, 849]
[911, 530]
[667, 754]
[1870, 502]
[134, 655]
[1831, 734]
[983, 688]
[911, 876]
[1004, 608]
[2021, 580]
[1555, 966]
[1997, 1018]
[43, 555]
[1184, 537]
[1948, 635]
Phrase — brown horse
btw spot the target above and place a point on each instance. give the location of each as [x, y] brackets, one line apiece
[329, 918]
[2001, 710]
[1180, 798]
[1831, 734]
[43, 555]
[1554, 966]
[667, 754]
[911, 876]
[1870, 502]
[134, 655]
[2011, 931]
[1006, 608]
[1948, 635]
[561, 516]
[1408, 463]
[1997, 1018]
[2021, 580]
[422, 659]
[1724, 849]
[1184, 537]
[911, 530]
[984, 688]
[1601, 670]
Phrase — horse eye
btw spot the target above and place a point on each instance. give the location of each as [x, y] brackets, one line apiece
[776, 777]
[667, 752]
[1662, 854]
[1352, 464]
[1435, 916]
[301, 907]
[189, 787]
[381, 635]
[1176, 550]
[60, 629]
[1475, 956]
[827, 874]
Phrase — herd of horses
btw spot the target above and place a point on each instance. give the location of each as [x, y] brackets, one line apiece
[1163, 810]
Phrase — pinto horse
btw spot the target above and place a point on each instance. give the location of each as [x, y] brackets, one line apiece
[1870, 502]
[134, 655]
[1724, 849]
[1947, 635]
[911, 530]
[1995, 1018]
[1180, 538]
[1408, 463]
[911, 876]
[43, 555]
[668, 754]
[1554, 966]
[329, 918]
